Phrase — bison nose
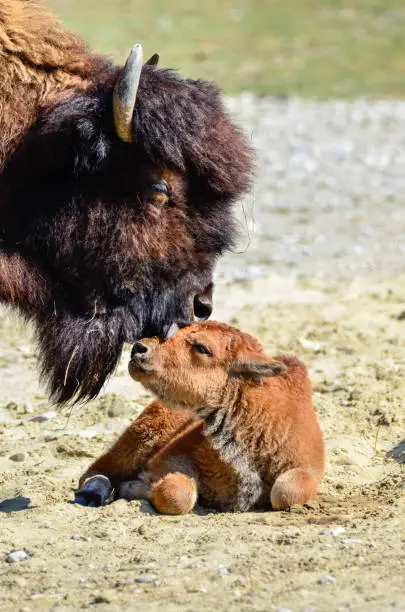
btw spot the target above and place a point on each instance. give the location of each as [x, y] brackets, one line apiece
[202, 307]
[138, 349]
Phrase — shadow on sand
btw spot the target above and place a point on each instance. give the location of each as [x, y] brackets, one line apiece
[398, 452]
[15, 504]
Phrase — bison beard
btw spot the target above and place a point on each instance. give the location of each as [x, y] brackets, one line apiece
[90, 251]
[79, 353]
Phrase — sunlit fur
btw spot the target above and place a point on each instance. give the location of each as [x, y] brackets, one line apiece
[88, 249]
[237, 425]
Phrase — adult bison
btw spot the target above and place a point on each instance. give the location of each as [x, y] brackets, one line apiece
[116, 192]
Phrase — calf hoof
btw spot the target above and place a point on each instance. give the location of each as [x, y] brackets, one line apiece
[95, 491]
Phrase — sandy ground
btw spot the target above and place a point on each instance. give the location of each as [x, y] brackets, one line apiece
[324, 278]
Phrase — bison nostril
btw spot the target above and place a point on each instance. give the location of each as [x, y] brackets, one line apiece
[202, 307]
[138, 349]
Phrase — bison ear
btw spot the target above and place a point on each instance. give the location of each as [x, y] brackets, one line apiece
[257, 368]
[153, 61]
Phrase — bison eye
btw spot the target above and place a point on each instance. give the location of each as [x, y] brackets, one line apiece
[199, 348]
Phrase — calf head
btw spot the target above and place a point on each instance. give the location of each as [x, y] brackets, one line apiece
[201, 365]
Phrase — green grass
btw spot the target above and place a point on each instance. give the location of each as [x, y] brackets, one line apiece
[312, 48]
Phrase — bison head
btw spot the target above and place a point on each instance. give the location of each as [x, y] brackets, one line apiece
[119, 203]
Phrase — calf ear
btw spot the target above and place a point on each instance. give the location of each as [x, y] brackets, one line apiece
[256, 368]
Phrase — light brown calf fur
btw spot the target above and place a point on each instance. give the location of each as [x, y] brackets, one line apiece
[231, 426]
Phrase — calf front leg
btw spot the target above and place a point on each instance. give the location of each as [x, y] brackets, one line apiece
[147, 434]
[170, 480]
[174, 493]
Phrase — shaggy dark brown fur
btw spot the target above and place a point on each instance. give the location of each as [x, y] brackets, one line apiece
[90, 248]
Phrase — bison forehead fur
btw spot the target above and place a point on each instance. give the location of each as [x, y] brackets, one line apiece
[90, 251]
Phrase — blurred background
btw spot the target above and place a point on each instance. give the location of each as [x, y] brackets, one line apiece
[313, 48]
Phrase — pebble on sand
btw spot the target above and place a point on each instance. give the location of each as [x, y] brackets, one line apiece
[15, 556]
[19, 456]
[42, 418]
[316, 347]
[337, 531]
[327, 579]
[99, 599]
[146, 578]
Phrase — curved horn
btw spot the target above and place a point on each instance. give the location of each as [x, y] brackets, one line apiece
[124, 96]
[154, 60]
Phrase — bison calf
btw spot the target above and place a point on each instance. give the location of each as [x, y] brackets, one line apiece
[231, 427]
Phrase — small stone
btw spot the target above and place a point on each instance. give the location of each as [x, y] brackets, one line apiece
[87, 433]
[327, 579]
[337, 531]
[101, 599]
[12, 406]
[146, 578]
[18, 457]
[15, 556]
[351, 541]
[310, 345]
[50, 437]
[42, 418]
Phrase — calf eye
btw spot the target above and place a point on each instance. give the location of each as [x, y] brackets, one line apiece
[199, 348]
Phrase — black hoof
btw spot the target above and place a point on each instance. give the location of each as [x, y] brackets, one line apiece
[95, 492]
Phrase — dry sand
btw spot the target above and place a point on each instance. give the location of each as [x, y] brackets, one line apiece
[344, 551]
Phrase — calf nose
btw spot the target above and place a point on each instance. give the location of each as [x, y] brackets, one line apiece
[138, 349]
